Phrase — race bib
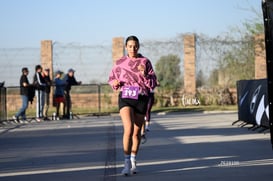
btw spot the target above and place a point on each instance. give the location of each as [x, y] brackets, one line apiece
[130, 92]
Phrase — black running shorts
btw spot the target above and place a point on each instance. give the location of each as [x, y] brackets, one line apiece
[139, 106]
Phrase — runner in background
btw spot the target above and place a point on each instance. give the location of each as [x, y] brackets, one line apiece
[147, 118]
[149, 108]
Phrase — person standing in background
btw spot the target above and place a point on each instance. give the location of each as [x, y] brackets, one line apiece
[59, 99]
[69, 80]
[39, 83]
[47, 80]
[24, 84]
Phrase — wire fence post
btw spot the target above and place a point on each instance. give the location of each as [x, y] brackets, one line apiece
[3, 103]
[99, 97]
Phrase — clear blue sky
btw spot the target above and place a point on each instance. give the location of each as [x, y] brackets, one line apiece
[24, 23]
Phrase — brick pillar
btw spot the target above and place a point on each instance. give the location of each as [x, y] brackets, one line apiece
[47, 62]
[189, 64]
[260, 61]
[47, 55]
[117, 48]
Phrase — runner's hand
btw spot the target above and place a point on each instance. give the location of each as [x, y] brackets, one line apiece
[116, 83]
[141, 69]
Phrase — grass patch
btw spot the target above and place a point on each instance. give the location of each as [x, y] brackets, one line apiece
[196, 108]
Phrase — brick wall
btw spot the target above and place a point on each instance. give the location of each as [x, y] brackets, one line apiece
[86, 101]
[260, 60]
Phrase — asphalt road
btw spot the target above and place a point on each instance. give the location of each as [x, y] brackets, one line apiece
[179, 147]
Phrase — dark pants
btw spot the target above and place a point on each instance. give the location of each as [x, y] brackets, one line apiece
[67, 104]
[46, 106]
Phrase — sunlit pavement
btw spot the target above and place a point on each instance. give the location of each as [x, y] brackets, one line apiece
[179, 147]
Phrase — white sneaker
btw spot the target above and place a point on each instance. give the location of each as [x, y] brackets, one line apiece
[38, 120]
[127, 168]
[134, 169]
[15, 119]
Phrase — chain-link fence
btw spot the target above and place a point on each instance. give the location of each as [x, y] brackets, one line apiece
[12, 60]
[94, 62]
[220, 62]
[91, 62]
[86, 99]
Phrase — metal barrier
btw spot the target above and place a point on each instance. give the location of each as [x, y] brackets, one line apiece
[86, 99]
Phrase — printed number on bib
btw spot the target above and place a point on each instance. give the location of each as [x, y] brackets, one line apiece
[130, 92]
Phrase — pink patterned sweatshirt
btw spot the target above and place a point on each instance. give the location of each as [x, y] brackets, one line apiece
[126, 72]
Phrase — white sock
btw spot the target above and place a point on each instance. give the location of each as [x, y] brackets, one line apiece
[133, 157]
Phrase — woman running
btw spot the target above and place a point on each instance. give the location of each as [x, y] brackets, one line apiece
[133, 76]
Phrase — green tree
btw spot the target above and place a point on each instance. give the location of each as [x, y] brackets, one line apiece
[200, 79]
[236, 51]
[238, 63]
[169, 75]
[213, 78]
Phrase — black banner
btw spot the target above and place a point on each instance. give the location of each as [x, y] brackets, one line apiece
[253, 102]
